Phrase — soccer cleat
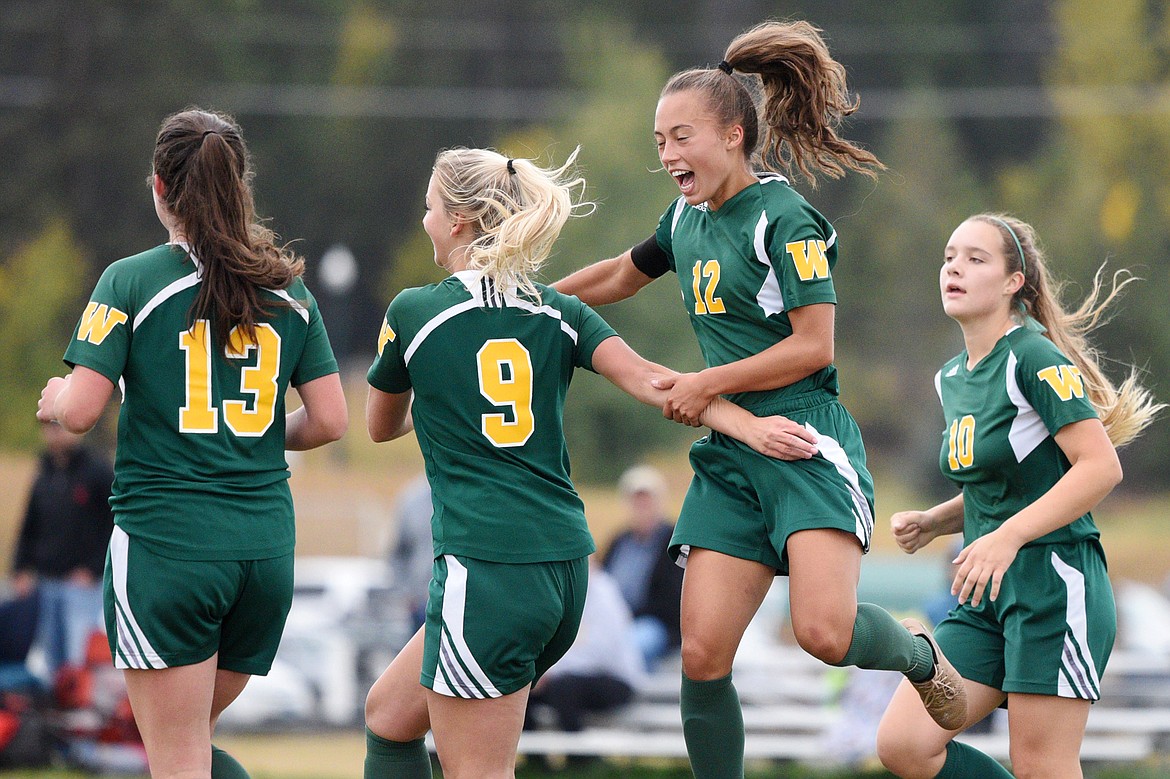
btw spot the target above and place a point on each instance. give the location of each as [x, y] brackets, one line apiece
[943, 694]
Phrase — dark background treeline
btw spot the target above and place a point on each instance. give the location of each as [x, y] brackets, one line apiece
[1054, 111]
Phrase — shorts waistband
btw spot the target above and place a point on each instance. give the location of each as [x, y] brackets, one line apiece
[790, 403]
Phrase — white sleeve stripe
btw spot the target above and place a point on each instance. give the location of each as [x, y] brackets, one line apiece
[679, 205]
[550, 312]
[163, 295]
[470, 305]
[190, 280]
[434, 323]
[1027, 430]
[296, 304]
[770, 299]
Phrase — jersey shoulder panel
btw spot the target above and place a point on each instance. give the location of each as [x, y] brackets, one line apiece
[1050, 381]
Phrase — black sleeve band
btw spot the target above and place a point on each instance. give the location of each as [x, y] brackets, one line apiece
[649, 258]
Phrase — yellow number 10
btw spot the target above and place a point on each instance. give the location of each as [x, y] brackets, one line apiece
[961, 451]
[258, 381]
[505, 378]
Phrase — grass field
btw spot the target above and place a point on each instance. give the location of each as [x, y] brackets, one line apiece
[340, 755]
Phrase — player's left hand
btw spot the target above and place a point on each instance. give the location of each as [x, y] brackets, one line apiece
[983, 562]
[689, 398]
[45, 405]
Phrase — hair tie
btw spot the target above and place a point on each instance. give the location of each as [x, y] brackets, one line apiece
[205, 134]
[725, 66]
[1019, 248]
[511, 169]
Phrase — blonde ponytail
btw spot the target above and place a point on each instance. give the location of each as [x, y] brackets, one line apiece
[516, 208]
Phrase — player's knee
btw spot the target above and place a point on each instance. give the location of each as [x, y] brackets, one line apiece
[892, 749]
[702, 661]
[1033, 764]
[823, 642]
[902, 755]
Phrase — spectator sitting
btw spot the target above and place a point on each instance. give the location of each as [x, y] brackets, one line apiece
[637, 560]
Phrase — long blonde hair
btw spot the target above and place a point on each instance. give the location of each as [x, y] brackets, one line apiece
[1125, 409]
[516, 208]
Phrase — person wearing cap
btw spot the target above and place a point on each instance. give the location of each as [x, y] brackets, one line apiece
[638, 561]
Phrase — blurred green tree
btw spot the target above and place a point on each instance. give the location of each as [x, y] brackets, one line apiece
[1098, 191]
[40, 288]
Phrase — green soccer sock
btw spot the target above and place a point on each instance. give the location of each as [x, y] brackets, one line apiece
[224, 766]
[967, 762]
[387, 759]
[882, 643]
[712, 727]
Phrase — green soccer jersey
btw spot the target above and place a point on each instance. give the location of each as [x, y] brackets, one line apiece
[743, 267]
[489, 373]
[200, 472]
[1001, 417]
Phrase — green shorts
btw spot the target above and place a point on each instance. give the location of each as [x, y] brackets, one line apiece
[746, 505]
[495, 628]
[162, 612]
[1049, 632]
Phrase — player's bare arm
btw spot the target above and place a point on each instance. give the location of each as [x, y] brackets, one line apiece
[388, 414]
[75, 401]
[806, 351]
[607, 281]
[648, 382]
[322, 418]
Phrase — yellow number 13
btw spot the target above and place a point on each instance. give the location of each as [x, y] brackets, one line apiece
[258, 381]
[505, 378]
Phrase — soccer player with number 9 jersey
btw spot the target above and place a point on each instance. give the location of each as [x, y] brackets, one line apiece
[1031, 427]
[478, 365]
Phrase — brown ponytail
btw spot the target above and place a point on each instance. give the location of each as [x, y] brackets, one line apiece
[804, 99]
[206, 172]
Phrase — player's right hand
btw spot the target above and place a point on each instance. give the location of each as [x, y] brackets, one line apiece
[781, 438]
[912, 530]
[46, 405]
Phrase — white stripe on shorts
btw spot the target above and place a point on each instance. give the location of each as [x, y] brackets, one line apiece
[134, 649]
[456, 663]
[832, 451]
[1077, 677]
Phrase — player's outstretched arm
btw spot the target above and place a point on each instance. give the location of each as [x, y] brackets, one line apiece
[322, 418]
[388, 414]
[773, 436]
[607, 281]
[75, 401]
[915, 529]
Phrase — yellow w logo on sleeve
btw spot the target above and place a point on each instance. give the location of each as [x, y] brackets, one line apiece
[1065, 380]
[97, 322]
[809, 258]
[386, 336]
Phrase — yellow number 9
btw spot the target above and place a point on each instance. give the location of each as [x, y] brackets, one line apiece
[505, 378]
